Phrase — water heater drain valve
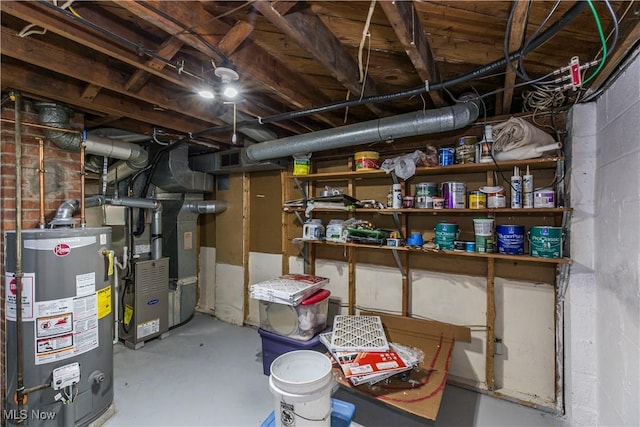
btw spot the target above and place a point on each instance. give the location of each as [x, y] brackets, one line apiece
[66, 376]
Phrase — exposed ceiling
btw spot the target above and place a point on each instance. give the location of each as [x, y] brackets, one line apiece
[138, 65]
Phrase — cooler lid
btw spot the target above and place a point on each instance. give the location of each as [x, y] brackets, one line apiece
[321, 295]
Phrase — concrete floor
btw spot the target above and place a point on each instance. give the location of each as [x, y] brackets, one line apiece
[209, 373]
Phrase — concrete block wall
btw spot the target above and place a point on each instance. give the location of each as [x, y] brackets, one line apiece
[617, 249]
[603, 298]
[62, 172]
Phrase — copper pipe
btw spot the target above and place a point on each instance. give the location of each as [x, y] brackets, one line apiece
[35, 125]
[41, 222]
[82, 174]
[18, 272]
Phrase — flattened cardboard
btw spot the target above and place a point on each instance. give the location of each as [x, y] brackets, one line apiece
[422, 394]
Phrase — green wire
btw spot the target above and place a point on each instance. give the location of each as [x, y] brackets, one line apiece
[602, 39]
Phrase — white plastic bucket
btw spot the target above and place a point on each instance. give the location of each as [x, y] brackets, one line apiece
[301, 382]
[483, 226]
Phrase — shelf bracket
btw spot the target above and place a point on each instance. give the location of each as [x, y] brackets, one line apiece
[396, 257]
[396, 221]
[301, 189]
[300, 220]
[304, 252]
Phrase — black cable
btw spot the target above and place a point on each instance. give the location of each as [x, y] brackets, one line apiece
[571, 14]
[137, 47]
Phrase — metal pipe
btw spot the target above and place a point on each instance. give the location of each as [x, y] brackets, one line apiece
[19, 273]
[133, 156]
[207, 206]
[41, 221]
[83, 218]
[156, 233]
[380, 130]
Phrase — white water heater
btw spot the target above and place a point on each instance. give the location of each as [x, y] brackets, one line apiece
[67, 326]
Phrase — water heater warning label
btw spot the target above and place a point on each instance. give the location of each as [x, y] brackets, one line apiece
[28, 287]
[65, 328]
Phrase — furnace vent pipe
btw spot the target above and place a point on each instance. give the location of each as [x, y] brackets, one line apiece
[133, 156]
[385, 129]
[207, 207]
[68, 208]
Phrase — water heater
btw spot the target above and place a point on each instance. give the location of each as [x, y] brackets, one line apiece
[67, 326]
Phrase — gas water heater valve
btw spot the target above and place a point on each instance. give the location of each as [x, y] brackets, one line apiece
[66, 376]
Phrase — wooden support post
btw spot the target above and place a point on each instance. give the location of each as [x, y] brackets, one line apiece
[246, 239]
[351, 253]
[491, 323]
[284, 190]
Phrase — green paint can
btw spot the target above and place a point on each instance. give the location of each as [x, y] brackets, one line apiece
[545, 242]
[446, 234]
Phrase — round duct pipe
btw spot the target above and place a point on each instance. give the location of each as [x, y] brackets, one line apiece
[385, 129]
[133, 156]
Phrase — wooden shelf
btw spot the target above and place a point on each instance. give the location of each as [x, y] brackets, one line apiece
[542, 163]
[522, 211]
[524, 258]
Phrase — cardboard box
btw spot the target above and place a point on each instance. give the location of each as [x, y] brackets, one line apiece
[436, 340]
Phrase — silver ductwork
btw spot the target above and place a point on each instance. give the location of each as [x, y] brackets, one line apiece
[133, 156]
[206, 206]
[385, 129]
[64, 215]
[174, 175]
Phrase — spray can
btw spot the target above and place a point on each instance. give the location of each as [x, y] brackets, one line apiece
[516, 189]
[397, 196]
[527, 190]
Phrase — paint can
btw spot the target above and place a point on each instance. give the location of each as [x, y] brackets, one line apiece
[445, 156]
[446, 235]
[454, 194]
[367, 160]
[483, 229]
[425, 191]
[466, 149]
[438, 203]
[477, 200]
[470, 246]
[510, 239]
[407, 202]
[495, 197]
[544, 198]
[545, 242]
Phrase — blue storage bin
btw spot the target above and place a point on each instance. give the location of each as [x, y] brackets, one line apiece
[274, 345]
[341, 414]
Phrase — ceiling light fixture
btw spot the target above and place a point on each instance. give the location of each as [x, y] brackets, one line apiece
[227, 75]
[206, 93]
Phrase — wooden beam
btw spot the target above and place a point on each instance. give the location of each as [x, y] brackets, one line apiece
[84, 68]
[40, 15]
[44, 85]
[516, 37]
[310, 33]
[90, 92]
[267, 71]
[406, 24]
[70, 29]
[234, 38]
[167, 50]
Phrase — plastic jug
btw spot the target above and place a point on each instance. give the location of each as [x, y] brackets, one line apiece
[313, 230]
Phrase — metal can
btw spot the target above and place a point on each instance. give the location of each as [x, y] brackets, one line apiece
[454, 194]
[445, 156]
[466, 149]
[477, 200]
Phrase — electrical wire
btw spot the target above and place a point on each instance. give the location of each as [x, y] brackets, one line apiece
[602, 39]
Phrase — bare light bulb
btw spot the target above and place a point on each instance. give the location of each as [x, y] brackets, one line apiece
[206, 93]
[230, 91]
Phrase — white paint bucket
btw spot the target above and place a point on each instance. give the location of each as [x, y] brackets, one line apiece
[301, 382]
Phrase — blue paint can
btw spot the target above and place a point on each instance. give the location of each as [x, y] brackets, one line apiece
[445, 156]
[510, 239]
